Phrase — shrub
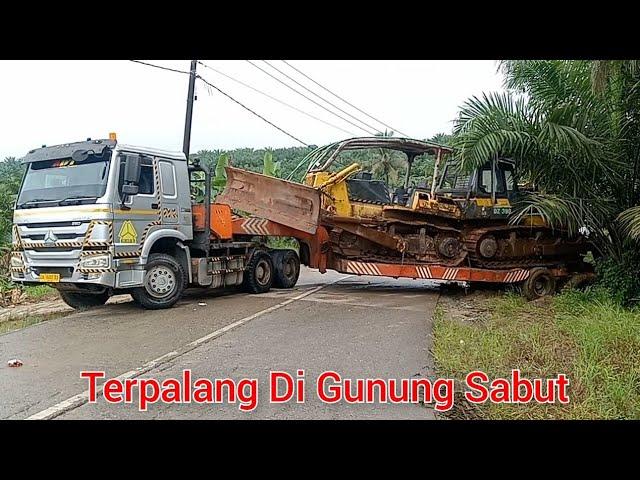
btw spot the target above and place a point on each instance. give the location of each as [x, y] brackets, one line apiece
[619, 276]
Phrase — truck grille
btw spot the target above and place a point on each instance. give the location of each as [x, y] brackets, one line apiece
[60, 236]
[52, 224]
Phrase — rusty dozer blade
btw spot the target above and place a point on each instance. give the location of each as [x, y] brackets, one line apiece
[291, 204]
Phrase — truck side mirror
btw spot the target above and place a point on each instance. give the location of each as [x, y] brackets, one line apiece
[130, 189]
[132, 170]
[130, 177]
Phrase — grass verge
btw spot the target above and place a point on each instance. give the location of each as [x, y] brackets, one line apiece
[12, 325]
[585, 335]
[40, 292]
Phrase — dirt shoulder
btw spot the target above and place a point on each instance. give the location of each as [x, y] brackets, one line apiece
[36, 310]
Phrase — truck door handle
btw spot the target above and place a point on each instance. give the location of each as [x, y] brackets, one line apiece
[155, 206]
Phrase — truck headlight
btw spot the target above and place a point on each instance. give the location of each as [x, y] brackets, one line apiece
[96, 261]
[17, 261]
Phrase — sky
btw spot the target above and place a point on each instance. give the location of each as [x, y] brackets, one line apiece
[51, 102]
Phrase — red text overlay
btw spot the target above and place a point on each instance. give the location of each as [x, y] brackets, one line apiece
[329, 387]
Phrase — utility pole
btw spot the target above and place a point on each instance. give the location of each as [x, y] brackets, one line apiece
[190, 97]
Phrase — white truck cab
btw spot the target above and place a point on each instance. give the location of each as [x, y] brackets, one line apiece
[98, 217]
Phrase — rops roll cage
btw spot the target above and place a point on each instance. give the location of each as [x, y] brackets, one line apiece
[322, 158]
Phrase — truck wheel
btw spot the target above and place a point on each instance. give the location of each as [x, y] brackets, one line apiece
[287, 268]
[539, 284]
[258, 277]
[82, 301]
[164, 282]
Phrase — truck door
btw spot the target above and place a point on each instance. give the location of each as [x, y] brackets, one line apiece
[141, 212]
[168, 190]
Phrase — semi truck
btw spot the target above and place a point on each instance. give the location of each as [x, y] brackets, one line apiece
[97, 218]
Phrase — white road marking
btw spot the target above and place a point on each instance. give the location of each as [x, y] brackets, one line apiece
[82, 398]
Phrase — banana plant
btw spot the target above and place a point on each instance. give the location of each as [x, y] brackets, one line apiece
[220, 177]
[270, 167]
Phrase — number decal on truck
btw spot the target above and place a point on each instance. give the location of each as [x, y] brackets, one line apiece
[502, 210]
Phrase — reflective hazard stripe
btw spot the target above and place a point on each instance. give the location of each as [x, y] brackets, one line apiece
[96, 270]
[450, 274]
[361, 268]
[135, 253]
[515, 276]
[255, 226]
[423, 272]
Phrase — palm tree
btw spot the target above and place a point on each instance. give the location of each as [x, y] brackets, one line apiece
[568, 138]
[387, 164]
[618, 83]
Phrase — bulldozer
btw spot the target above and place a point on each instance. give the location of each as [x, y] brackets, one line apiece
[462, 218]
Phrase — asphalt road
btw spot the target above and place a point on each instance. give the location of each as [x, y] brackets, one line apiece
[360, 327]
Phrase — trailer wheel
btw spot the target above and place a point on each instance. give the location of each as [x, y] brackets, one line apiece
[82, 301]
[258, 277]
[164, 282]
[287, 268]
[539, 284]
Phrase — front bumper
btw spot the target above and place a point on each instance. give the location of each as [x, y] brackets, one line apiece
[119, 275]
[107, 279]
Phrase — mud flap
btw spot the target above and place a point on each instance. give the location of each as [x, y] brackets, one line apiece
[287, 203]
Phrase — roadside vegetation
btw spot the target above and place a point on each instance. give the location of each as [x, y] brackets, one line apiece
[586, 335]
[573, 127]
[11, 325]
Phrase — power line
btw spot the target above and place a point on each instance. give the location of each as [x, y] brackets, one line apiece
[226, 95]
[310, 99]
[275, 99]
[160, 67]
[251, 111]
[345, 101]
[321, 98]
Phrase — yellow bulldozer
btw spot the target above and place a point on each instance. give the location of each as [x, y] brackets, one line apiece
[460, 219]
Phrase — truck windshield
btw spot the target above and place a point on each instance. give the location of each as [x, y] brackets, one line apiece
[63, 182]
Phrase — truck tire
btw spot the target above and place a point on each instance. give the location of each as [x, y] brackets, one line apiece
[258, 277]
[164, 282]
[83, 301]
[287, 268]
[539, 284]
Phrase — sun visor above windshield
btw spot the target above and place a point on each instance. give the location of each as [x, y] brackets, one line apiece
[66, 150]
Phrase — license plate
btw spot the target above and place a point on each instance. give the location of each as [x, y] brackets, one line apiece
[49, 277]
